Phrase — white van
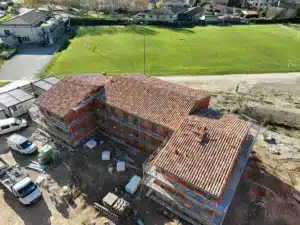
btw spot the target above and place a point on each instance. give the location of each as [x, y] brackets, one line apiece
[12, 124]
[21, 144]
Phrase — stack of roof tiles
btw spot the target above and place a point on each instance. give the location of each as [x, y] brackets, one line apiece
[69, 92]
[158, 101]
[203, 151]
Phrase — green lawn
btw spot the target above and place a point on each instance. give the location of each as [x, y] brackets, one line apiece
[201, 50]
[2, 83]
[6, 17]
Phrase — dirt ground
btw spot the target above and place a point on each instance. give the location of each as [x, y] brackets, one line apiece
[91, 175]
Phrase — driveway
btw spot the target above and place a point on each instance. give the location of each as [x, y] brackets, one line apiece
[27, 62]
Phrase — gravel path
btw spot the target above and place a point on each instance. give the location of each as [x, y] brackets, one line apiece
[229, 82]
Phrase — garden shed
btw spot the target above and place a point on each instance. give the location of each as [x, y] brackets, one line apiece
[16, 102]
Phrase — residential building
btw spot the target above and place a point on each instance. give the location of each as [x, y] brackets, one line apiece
[261, 3]
[177, 3]
[35, 26]
[160, 14]
[170, 14]
[195, 163]
[196, 173]
[250, 14]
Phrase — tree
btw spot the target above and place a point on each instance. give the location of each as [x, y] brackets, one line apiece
[32, 3]
[160, 4]
[94, 5]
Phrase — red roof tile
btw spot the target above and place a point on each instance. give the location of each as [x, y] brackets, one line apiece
[203, 151]
[69, 92]
[152, 99]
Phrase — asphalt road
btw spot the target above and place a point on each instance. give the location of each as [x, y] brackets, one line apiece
[27, 62]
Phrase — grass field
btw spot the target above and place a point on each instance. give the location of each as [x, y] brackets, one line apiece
[200, 50]
[2, 83]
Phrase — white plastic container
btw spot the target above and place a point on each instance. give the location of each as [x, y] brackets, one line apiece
[133, 184]
[121, 166]
[106, 155]
[91, 144]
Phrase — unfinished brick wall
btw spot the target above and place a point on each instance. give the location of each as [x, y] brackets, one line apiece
[201, 104]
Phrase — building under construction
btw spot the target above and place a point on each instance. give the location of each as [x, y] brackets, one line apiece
[195, 162]
[196, 173]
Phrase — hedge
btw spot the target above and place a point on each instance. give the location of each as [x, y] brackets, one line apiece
[112, 22]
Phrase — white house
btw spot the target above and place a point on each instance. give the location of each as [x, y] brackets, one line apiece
[177, 3]
[35, 26]
[159, 14]
[262, 3]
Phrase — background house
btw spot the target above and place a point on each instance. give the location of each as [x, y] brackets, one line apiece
[35, 26]
[159, 14]
[261, 3]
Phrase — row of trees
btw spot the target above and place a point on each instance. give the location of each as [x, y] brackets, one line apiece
[92, 5]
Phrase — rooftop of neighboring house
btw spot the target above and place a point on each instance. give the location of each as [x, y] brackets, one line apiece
[69, 92]
[220, 7]
[27, 18]
[152, 99]
[250, 12]
[285, 4]
[204, 151]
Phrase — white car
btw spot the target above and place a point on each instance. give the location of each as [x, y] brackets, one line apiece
[21, 144]
[12, 124]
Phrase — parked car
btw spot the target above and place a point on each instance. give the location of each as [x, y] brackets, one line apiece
[12, 124]
[21, 144]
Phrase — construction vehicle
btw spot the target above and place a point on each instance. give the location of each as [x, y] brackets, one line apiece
[18, 183]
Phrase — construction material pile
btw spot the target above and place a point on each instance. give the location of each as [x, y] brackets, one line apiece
[46, 159]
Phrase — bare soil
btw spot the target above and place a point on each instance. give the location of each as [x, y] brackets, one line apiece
[92, 181]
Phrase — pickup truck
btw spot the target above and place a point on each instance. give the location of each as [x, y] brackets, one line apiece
[18, 184]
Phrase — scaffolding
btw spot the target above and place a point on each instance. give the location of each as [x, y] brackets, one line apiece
[219, 208]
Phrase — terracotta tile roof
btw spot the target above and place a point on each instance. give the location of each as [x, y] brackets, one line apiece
[69, 92]
[152, 99]
[203, 151]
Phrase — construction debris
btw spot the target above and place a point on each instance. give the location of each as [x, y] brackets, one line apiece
[121, 166]
[105, 155]
[37, 167]
[274, 149]
[296, 196]
[268, 138]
